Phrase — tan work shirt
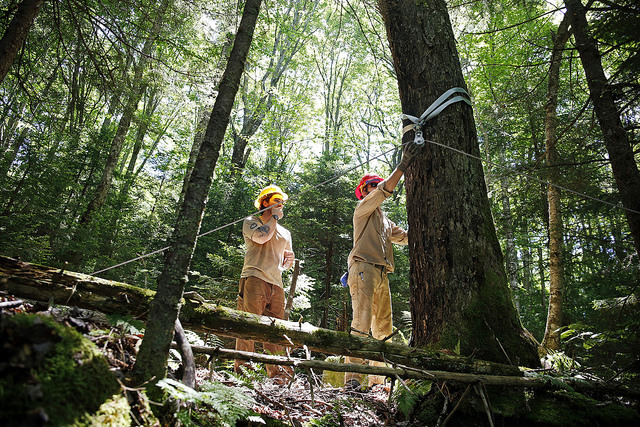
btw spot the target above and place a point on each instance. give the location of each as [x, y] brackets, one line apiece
[265, 261]
[374, 233]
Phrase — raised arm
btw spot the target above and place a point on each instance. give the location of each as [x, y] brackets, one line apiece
[407, 157]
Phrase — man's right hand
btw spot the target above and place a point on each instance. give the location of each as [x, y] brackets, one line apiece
[277, 212]
[410, 152]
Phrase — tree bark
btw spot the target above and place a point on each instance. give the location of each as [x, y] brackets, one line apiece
[459, 290]
[623, 164]
[16, 33]
[152, 358]
[292, 289]
[551, 338]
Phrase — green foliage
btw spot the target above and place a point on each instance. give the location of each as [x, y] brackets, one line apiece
[406, 396]
[608, 352]
[561, 362]
[216, 403]
[126, 324]
[250, 373]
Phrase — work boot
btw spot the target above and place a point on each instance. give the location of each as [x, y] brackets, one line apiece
[352, 385]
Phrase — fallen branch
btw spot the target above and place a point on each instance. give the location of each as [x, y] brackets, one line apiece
[188, 364]
[411, 373]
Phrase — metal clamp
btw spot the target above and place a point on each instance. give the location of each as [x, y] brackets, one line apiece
[418, 139]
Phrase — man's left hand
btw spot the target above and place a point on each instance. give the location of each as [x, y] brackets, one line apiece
[289, 257]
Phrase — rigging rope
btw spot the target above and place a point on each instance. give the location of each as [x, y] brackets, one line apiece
[417, 123]
[528, 176]
[257, 212]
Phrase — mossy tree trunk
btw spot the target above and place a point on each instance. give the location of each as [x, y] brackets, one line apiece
[459, 288]
[154, 350]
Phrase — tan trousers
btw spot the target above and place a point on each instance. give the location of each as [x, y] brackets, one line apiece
[259, 297]
[371, 302]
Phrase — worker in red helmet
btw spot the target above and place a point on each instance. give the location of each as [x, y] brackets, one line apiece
[268, 253]
[371, 259]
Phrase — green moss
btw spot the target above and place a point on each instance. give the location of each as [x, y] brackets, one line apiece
[563, 408]
[113, 412]
[489, 315]
[516, 407]
[324, 338]
[505, 402]
[52, 367]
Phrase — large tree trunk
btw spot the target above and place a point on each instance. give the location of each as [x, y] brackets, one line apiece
[16, 33]
[152, 358]
[551, 338]
[459, 291]
[623, 164]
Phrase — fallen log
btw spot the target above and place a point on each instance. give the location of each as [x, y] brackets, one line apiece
[43, 283]
[537, 382]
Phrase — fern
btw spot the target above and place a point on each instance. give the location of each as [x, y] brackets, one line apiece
[248, 374]
[216, 403]
[406, 399]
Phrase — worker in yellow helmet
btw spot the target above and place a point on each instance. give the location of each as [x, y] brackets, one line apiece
[268, 253]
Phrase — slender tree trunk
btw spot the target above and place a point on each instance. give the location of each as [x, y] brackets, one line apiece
[199, 132]
[327, 284]
[623, 164]
[151, 103]
[511, 256]
[551, 338]
[100, 196]
[543, 282]
[139, 86]
[16, 33]
[9, 156]
[152, 358]
[459, 290]
[289, 39]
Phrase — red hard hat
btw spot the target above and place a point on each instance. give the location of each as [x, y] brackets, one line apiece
[367, 179]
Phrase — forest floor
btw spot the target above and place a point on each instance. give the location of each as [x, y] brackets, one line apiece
[296, 403]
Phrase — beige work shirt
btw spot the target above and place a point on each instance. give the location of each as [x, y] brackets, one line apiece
[266, 260]
[374, 233]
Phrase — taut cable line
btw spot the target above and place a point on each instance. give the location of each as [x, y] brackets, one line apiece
[542, 181]
[335, 177]
[157, 251]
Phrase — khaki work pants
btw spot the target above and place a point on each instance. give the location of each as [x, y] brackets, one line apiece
[259, 297]
[371, 302]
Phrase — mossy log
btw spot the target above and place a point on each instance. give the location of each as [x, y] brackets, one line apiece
[80, 290]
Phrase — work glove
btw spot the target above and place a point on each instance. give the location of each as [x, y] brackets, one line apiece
[408, 155]
[277, 212]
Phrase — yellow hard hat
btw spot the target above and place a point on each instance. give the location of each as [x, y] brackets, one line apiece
[270, 191]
